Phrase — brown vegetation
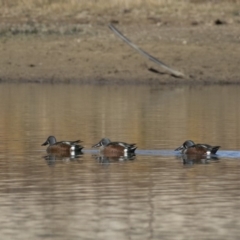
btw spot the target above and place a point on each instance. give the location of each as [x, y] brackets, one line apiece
[94, 10]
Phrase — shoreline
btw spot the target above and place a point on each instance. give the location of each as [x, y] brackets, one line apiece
[205, 54]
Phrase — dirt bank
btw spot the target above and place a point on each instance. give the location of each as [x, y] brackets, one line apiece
[205, 53]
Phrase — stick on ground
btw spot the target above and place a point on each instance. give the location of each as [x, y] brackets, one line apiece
[145, 54]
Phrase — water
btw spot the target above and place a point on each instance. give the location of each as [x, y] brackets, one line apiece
[153, 196]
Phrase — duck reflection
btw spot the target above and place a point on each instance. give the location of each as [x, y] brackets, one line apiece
[52, 159]
[190, 159]
[110, 158]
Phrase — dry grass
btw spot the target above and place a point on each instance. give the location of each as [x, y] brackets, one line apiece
[70, 7]
[67, 16]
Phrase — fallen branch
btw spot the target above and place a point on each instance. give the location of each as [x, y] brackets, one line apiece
[145, 54]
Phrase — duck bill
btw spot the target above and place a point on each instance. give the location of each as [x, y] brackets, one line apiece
[45, 143]
[179, 148]
[97, 145]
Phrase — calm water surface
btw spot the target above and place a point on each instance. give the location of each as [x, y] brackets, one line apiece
[152, 196]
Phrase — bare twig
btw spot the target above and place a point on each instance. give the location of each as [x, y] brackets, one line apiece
[145, 54]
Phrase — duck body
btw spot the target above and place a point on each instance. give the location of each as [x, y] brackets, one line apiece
[71, 147]
[115, 148]
[189, 147]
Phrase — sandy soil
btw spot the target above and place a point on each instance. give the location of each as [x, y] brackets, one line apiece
[204, 53]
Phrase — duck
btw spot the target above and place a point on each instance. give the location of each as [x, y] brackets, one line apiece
[189, 147]
[115, 148]
[71, 147]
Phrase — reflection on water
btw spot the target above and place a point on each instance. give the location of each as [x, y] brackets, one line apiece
[51, 159]
[152, 196]
[197, 158]
[106, 159]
